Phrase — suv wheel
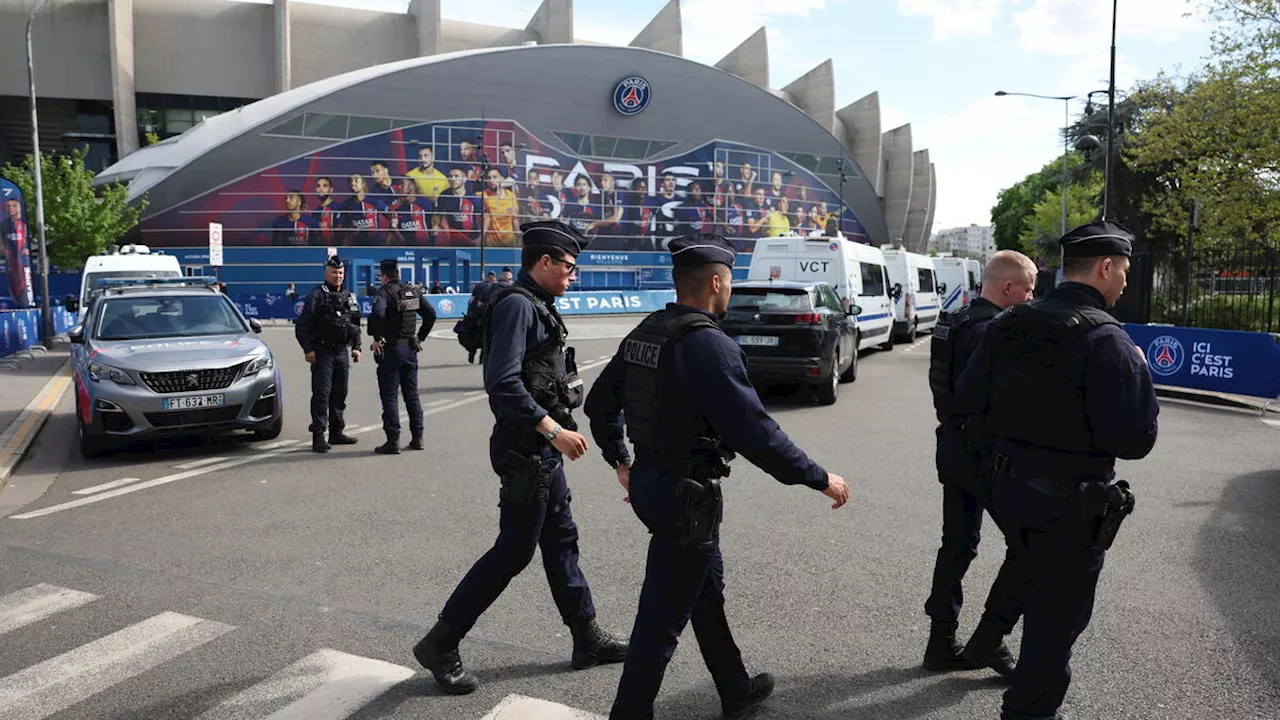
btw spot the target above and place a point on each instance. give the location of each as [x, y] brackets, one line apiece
[851, 373]
[271, 431]
[91, 446]
[830, 388]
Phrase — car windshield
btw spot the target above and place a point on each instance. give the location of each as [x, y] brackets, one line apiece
[136, 318]
[771, 299]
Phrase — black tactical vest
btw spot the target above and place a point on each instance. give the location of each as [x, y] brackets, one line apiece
[549, 371]
[333, 326]
[948, 335]
[646, 351]
[1034, 399]
[403, 302]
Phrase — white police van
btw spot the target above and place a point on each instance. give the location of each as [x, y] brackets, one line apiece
[130, 261]
[854, 270]
[962, 281]
[915, 290]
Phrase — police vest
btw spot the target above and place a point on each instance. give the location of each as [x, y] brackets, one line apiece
[647, 352]
[548, 371]
[403, 302]
[1034, 401]
[335, 308]
[949, 334]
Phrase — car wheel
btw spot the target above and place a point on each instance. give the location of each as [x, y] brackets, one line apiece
[851, 373]
[270, 432]
[830, 388]
[888, 343]
[91, 446]
[915, 329]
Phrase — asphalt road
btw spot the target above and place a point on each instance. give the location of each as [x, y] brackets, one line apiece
[233, 567]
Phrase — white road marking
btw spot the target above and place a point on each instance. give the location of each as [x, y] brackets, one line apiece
[325, 685]
[434, 403]
[33, 604]
[277, 444]
[58, 683]
[199, 463]
[475, 392]
[109, 485]
[519, 707]
[1272, 422]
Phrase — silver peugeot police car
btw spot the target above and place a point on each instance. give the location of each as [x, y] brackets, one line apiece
[161, 357]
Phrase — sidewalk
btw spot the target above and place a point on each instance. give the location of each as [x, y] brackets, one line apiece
[1209, 397]
[28, 396]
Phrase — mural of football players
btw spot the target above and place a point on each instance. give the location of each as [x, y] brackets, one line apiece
[325, 213]
[803, 224]
[733, 225]
[695, 214]
[430, 181]
[411, 216]
[294, 227]
[611, 209]
[633, 215]
[456, 209]
[358, 215]
[778, 223]
[499, 211]
[559, 189]
[775, 190]
[579, 211]
[746, 185]
[819, 216]
[383, 188]
[658, 212]
[470, 161]
[755, 214]
[510, 168]
[17, 254]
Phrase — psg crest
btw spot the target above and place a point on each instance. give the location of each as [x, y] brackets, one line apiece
[1165, 355]
[631, 96]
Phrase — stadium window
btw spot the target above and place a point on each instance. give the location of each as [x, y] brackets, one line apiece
[291, 128]
[332, 127]
[361, 126]
[629, 149]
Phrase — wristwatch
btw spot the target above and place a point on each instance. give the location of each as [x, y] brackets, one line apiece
[554, 432]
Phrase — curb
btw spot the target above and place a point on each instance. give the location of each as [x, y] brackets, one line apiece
[17, 438]
[1261, 405]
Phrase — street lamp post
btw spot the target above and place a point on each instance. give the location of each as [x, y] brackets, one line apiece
[46, 311]
[1066, 128]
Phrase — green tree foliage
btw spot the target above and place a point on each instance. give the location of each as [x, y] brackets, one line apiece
[79, 221]
[1043, 227]
[1017, 203]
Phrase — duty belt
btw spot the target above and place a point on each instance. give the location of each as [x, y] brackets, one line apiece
[1056, 487]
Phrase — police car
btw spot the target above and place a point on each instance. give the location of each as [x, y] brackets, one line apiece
[794, 333]
[161, 357]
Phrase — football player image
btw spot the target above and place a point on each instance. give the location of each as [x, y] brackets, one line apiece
[746, 185]
[456, 209]
[411, 217]
[17, 258]
[468, 159]
[558, 188]
[803, 223]
[658, 212]
[778, 222]
[383, 187]
[755, 214]
[695, 214]
[359, 215]
[507, 158]
[611, 201]
[538, 204]
[325, 213]
[579, 212]
[776, 190]
[819, 216]
[294, 227]
[499, 211]
[430, 181]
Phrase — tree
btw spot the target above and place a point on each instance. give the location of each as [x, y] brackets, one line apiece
[79, 222]
[1017, 203]
[1044, 227]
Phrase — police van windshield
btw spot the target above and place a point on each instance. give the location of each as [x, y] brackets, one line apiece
[771, 299]
[92, 280]
[137, 318]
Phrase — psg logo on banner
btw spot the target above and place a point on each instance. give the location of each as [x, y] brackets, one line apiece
[1165, 355]
[631, 96]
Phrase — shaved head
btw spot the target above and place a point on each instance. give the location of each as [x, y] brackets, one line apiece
[1009, 278]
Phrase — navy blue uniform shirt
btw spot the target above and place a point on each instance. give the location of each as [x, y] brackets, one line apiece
[1119, 399]
[378, 329]
[710, 372]
[514, 328]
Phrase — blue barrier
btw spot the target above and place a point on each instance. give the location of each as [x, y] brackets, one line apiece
[20, 329]
[1227, 361]
[455, 306]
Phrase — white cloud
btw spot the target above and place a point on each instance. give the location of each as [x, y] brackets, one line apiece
[956, 17]
[891, 118]
[712, 28]
[1079, 27]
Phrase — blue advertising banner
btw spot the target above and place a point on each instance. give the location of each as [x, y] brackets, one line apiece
[455, 306]
[15, 236]
[20, 329]
[1228, 361]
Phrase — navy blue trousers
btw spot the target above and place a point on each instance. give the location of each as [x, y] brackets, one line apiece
[681, 584]
[961, 533]
[398, 373]
[329, 375]
[523, 528]
[1052, 536]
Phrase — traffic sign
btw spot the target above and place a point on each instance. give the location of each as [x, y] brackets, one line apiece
[215, 244]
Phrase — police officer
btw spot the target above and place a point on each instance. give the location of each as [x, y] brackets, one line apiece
[964, 470]
[679, 386]
[327, 329]
[395, 348]
[1064, 392]
[469, 329]
[533, 385]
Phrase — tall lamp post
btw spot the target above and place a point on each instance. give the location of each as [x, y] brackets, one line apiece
[1066, 127]
[46, 311]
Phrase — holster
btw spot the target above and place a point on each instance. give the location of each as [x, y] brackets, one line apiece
[524, 482]
[699, 510]
[1111, 504]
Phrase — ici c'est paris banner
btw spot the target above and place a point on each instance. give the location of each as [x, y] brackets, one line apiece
[16, 234]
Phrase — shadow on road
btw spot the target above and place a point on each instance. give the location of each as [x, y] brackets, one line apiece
[1238, 562]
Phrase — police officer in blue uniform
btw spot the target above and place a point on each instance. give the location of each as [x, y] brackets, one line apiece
[396, 345]
[328, 329]
[533, 386]
[679, 387]
[964, 469]
[1064, 392]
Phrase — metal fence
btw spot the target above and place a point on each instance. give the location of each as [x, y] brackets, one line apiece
[1229, 285]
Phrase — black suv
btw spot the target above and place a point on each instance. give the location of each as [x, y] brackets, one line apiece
[794, 332]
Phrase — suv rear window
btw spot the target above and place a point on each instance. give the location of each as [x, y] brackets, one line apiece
[771, 299]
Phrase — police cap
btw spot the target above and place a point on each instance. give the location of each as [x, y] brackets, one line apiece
[389, 267]
[701, 249]
[1097, 239]
[554, 233]
[334, 262]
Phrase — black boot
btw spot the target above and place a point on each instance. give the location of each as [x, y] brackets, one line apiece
[318, 443]
[337, 437]
[986, 649]
[942, 654]
[415, 443]
[390, 447]
[593, 646]
[758, 690]
[438, 653]
[471, 357]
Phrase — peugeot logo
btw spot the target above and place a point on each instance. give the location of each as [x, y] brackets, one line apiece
[193, 380]
[755, 318]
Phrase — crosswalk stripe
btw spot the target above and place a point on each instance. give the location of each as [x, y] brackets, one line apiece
[1272, 422]
[36, 603]
[58, 683]
[519, 707]
[325, 685]
[199, 463]
[277, 444]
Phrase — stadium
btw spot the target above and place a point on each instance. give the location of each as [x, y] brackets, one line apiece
[431, 140]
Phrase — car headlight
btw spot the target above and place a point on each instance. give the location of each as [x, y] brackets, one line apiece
[98, 371]
[262, 362]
